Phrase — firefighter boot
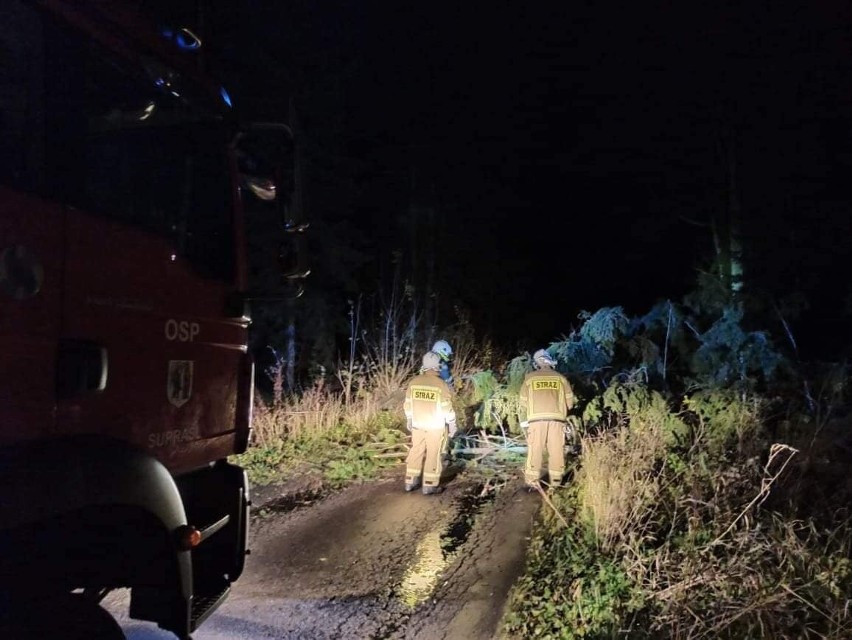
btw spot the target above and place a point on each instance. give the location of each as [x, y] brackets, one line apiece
[411, 484]
[432, 491]
[555, 480]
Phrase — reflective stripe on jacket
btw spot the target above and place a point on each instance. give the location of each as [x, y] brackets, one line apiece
[546, 395]
[428, 402]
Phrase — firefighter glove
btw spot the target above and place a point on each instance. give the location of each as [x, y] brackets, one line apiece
[525, 424]
[408, 423]
[452, 429]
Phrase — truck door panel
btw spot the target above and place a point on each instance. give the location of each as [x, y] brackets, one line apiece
[173, 357]
[30, 293]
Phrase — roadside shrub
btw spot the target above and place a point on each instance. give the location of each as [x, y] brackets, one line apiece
[728, 355]
[669, 512]
[570, 589]
[264, 462]
[618, 484]
[726, 419]
[772, 579]
[633, 403]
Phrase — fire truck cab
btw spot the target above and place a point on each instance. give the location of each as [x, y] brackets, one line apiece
[125, 381]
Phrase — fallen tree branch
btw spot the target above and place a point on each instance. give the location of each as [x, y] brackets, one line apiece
[487, 450]
[550, 504]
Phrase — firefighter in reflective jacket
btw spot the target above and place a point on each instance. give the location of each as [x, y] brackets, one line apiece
[445, 353]
[546, 397]
[429, 412]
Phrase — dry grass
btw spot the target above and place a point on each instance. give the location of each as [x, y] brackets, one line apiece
[620, 481]
[776, 579]
[727, 569]
[362, 405]
[382, 381]
[316, 412]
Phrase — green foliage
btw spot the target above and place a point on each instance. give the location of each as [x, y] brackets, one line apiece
[669, 521]
[390, 432]
[593, 413]
[517, 369]
[634, 403]
[730, 356]
[352, 464]
[570, 589]
[580, 356]
[604, 327]
[485, 385]
[591, 349]
[626, 399]
[342, 456]
[499, 402]
[616, 402]
[503, 409]
[645, 353]
[318, 431]
[263, 463]
[609, 344]
[609, 347]
[725, 418]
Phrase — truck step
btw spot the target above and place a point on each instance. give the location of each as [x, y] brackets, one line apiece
[204, 605]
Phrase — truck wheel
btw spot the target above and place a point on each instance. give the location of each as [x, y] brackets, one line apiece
[65, 617]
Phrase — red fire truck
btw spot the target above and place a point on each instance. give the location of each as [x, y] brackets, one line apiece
[125, 381]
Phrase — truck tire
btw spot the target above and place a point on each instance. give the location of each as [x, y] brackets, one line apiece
[64, 617]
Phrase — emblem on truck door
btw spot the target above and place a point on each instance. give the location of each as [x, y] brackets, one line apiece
[179, 382]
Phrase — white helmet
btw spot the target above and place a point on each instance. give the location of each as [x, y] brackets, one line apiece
[443, 349]
[431, 361]
[543, 359]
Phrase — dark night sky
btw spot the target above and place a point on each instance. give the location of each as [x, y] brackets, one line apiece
[584, 135]
[565, 145]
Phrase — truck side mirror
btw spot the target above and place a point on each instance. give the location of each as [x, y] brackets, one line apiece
[290, 259]
[265, 157]
[265, 161]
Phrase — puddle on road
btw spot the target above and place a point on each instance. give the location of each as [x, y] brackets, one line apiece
[297, 500]
[470, 504]
[422, 576]
[437, 547]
